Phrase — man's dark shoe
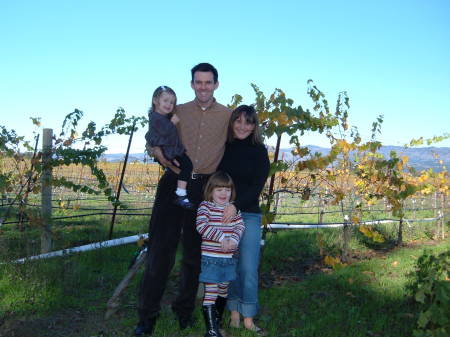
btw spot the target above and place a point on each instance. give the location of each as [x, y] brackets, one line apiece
[183, 202]
[185, 321]
[145, 328]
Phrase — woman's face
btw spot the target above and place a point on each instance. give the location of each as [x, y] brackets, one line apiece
[241, 128]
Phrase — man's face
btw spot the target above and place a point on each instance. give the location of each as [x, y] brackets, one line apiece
[204, 86]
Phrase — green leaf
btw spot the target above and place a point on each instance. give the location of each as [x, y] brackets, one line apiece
[424, 319]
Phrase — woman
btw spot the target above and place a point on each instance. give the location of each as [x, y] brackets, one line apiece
[247, 162]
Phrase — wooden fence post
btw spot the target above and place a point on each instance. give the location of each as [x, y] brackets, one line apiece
[436, 215]
[120, 186]
[385, 208]
[443, 202]
[346, 237]
[46, 193]
[400, 232]
[320, 211]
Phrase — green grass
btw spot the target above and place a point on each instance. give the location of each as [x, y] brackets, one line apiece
[363, 299]
[366, 298]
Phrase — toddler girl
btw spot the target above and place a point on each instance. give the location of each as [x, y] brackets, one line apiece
[163, 133]
[219, 244]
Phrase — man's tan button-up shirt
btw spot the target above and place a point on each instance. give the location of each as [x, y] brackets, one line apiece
[203, 133]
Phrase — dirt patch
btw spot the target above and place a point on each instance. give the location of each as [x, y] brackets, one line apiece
[292, 269]
[87, 322]
[67, 323]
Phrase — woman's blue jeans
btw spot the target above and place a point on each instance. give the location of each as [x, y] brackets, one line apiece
[243, 292]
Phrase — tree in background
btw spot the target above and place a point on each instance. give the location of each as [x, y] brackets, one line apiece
[21, 169]
[280, 117]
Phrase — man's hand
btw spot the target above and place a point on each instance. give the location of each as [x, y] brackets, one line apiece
[157, 153]
[229, 213]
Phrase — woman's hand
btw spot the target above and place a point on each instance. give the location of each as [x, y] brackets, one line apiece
[229, 213]
[228, 245]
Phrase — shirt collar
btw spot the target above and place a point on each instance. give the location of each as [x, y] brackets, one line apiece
[208, 107]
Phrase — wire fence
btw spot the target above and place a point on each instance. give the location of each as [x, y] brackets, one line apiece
[138, 192]
[139, 188]
[288, 206]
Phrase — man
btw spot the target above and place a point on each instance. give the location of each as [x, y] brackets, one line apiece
[203, 129]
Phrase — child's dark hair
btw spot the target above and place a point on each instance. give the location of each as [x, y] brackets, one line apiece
[158, 92]
[219, 179]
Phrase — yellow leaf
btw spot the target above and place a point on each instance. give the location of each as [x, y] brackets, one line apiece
[332, 261]
[394, 264]
[364, 229]
[355, 219]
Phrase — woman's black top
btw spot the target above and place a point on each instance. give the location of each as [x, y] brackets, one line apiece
[248, 165]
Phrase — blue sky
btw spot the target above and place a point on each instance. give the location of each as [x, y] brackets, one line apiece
[392, 57]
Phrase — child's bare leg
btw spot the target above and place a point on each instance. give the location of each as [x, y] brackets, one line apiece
[182, 184]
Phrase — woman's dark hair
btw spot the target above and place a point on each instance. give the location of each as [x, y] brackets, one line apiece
[249, 113]
[219, 179]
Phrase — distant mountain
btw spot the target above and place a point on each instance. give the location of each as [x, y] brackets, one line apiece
[117, 157]
[419, 158]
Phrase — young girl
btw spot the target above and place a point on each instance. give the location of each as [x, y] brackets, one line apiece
[163, 133]
[219, 244]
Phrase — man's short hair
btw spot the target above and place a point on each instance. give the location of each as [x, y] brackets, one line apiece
[205, 67]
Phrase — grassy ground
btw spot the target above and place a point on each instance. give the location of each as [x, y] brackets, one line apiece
[366, 298]
[300, 296]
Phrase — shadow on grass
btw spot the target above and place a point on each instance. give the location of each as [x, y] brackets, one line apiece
[337, 305]
[67, 296]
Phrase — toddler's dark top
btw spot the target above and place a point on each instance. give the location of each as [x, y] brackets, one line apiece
[163, 133]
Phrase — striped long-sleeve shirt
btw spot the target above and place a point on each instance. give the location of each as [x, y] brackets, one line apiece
[213, 231]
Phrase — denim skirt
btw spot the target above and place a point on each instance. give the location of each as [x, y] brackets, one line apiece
[217, 269]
